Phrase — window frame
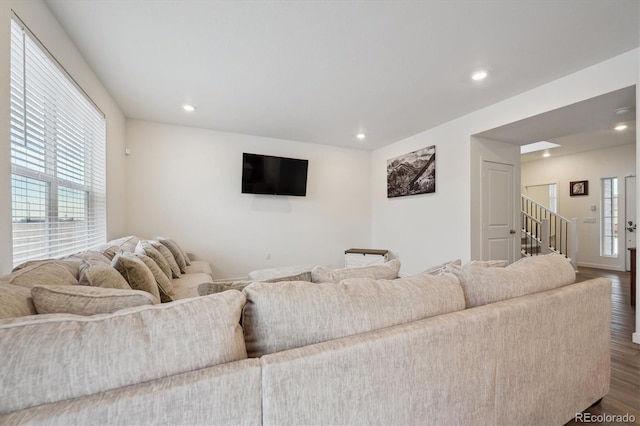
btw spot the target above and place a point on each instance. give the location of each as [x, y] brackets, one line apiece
[609, 204]
[56, 125]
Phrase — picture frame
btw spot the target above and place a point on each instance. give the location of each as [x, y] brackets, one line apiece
[578, 187]
[412, 174]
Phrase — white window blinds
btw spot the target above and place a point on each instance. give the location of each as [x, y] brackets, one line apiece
[57, 156]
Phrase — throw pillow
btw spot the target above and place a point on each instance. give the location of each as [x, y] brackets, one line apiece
[15, 301]
[145, 247]
[137, 274]
[176, 251]
[302, 276]
[166, 253]
[439, 269]
[98, 274]
[45, 272]
[164, 284]
[205, 289]
[84, 300]
[489, 263]
[387, 271]
[291, 314]
[482, 285]
[111, 251]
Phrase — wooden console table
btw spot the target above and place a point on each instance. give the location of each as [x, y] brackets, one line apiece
[633, 276]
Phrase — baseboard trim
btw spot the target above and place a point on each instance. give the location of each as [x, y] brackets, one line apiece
[599, 266]
[636, 338]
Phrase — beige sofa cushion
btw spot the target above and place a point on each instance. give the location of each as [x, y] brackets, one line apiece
[285, 315]
[439, 269]
[145, 247]
[137, 274]
[387, 271]
[490, 263]
[164, 284]
[99, 274]
[134, 345]
[45, 272]
[287, 273]
[126, 244]
[187, 285]
[85, 300]
[199, 266]
[166, 253]
[15, 301]
[176, 251]
[483, 285]
[217, 287]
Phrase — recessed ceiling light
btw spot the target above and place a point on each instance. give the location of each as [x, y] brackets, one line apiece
[361, 136]
[479, 75]
[620, 127]
[546, 154]
[188, 108]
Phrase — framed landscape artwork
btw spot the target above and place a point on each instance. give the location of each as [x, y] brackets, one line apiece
[579, 187]
[413, 173]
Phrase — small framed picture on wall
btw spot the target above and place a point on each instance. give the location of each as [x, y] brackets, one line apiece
[579, 187]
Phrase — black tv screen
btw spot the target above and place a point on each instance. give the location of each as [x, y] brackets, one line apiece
[265, 174]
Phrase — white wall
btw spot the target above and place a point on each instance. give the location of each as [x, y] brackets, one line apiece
[592, 166]
[43, 24]
[185, 183]
[428, 229]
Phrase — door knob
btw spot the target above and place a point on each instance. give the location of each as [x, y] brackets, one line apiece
[513, 231]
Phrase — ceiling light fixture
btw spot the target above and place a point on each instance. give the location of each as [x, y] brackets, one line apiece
[188, 108]
[361, 136]
[546, 154]
[479, 75]
[623, 110]
[620, 127]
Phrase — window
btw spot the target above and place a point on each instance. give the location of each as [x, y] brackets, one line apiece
[609, 211]
[553, 198]
[57, 156]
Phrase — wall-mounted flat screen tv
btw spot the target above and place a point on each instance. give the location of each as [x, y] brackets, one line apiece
[265, 174]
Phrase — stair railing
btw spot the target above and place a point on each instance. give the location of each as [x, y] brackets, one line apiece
[543, 231]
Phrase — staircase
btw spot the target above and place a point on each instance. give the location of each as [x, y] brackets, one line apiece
[543, 231]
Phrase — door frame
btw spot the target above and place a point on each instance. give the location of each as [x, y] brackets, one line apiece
[514, 225]
[483, 149]
[626, 254]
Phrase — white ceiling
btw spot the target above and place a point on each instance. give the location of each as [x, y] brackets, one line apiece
[583, 126]
[322, 71]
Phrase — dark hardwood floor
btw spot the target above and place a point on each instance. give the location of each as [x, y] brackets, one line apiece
[624, 395]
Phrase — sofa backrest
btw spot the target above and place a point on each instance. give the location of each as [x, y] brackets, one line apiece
[496, 364]
[483, 285]
[49, 358]
[285, 315]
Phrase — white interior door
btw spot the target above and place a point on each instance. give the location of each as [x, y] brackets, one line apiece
[498, 230]
[629, 216]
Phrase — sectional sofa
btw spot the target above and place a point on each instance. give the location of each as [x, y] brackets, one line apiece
[472, 344]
